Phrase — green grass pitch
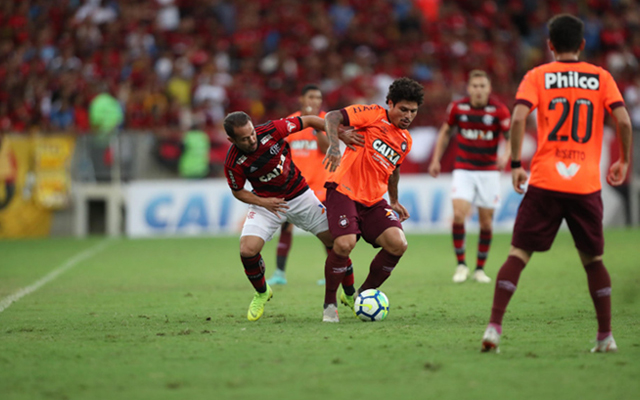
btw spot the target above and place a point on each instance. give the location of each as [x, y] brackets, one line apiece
[166, 319]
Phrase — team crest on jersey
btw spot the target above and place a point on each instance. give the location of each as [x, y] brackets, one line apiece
[275, 149]
[387, 151]
[403, 146]
[487, 119]
[290, 126]
[265, 139]
[343, 221]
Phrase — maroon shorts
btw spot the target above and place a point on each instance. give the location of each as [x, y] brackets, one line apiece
[350, 217]
[542, 211]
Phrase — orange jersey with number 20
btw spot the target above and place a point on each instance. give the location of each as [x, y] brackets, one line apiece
[571, 98]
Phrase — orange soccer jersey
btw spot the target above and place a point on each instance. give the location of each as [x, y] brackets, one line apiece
[363, 174]
[308, 158]
[571, 98]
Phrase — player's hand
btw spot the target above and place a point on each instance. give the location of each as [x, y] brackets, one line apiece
[502, 163]
[331, 159]
[434, 168]
[402, 212]
[351, 137]
[519, 178]
[617, 173]
[275, 205]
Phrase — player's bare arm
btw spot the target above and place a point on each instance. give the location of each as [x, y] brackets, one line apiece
[351, 137]
[332, 121]
[618, 171]
[393, 195]
[504, 159]
[444, 135]
[273, 204]
[516, 134]
[312, 121]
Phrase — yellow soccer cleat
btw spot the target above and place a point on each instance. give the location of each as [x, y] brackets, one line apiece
[256, 308]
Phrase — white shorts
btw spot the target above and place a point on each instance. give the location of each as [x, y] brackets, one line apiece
[481, 188]
[305, 211]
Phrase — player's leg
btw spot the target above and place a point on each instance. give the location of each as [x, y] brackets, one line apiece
[346, 297]
[394, 244]
[584, 218]
[487, 200]
[284, 245]
[537, 223]
[485, 216]
[258, 228]
[461, 208]
[462, 194]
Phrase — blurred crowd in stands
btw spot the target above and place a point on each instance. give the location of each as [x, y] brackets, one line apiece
[178, 64]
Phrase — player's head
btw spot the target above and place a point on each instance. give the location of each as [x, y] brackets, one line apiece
[240, 131]
[478, 88]
[566, 34]
[404, 97]
[310, 100]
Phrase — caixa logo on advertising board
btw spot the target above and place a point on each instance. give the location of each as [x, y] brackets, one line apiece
[194, 213]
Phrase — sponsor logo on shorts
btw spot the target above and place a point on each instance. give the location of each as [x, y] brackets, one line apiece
[391, 214]
[322, 208]
[343, 221]
[251, 214]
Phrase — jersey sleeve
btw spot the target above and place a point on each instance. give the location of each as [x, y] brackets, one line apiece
[286, 126]
[612, 96]
[528, 90]
[235, 177]
[451, 114]
[359, 115]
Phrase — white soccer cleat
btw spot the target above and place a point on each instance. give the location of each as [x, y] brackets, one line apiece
[330, 314]
[480, 276]
[490, 340]
[462, 273]
[606, 345]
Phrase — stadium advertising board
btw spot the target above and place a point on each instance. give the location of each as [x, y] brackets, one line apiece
[207, 207]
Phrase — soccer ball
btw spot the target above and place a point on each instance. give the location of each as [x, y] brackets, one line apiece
[372, 305]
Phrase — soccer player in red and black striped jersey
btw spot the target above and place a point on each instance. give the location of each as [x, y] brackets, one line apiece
[280, 193]
[476, 180]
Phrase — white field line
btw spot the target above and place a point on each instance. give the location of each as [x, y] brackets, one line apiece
[70, 263]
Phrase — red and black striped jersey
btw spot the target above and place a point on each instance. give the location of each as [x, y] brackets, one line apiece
[479, 130]
[269, 169]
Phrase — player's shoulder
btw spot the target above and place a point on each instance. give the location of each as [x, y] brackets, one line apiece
[496, 105]
[232, 156]
[463, 104]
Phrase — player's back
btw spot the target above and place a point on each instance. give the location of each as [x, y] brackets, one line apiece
[571, 98]
[308, 158]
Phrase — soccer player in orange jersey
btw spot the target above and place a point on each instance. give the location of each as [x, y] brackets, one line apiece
[480, 120]
[359, 179]
[307, 148]
[571, 98]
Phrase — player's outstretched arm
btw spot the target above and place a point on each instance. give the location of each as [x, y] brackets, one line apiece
[312, 121]
[273, 204]
[618, 171]
[332, 121]
[393, 195]
[516, 133]
[444, 135]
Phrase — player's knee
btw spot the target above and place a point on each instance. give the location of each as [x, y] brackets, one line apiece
[343, 245]
[248, 249]
[486, 224]
[397, 246]
[459, 216]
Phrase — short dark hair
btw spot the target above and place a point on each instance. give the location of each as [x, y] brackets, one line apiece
[233, 120]
[309, 87]
[566, 33]
[405, 89]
